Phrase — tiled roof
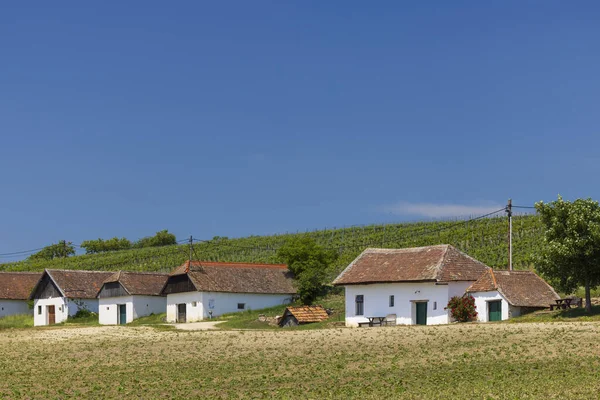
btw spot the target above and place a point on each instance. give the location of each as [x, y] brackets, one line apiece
[440, 263]
[17, 285]
[140, 283]
[208, 276]
[79, 284]
[305, 314]
[519, 288]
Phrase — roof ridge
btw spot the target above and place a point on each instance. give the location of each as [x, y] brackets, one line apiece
[441, 262]
[494, 279]
[80, 270]
[382, 249]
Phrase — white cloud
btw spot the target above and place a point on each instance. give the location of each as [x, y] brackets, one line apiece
[431, 210]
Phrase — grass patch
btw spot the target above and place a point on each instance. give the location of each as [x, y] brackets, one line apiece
[16, 321]
[479, 361]
[573, 314]
[249, 319]
[152, 319]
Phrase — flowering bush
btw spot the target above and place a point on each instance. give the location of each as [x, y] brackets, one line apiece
[462, 308]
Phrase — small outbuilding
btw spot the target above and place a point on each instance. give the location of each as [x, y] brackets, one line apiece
[294, 316]
[15, 288]
[126, 296]
[501, 294]
[198, 290]
[60, 294]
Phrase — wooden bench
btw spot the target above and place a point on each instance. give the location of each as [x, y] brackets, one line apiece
[566, 303]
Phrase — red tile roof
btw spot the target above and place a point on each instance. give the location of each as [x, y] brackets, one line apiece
[519, 288]
[78, 284]
[306, 314]
[209, 276]
[440, 263]
[17, 285]
[140, 283]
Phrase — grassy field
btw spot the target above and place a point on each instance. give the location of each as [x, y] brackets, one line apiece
[491, 361]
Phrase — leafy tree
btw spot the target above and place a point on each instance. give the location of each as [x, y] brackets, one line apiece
[570, 255]
[101, 245]
[462, 308]
[309, 263]
[162, 238]
[62, 249]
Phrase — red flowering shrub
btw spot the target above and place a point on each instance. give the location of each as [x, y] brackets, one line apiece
[462, 308]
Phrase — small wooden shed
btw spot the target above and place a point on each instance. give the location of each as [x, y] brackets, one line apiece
[294, 316]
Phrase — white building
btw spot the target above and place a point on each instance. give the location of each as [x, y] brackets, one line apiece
[15, 288]
[410, 286]
[202, 289]
[500, 295]
[59, 294]
[126, 296]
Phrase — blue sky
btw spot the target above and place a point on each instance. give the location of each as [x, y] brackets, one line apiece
[246, 118]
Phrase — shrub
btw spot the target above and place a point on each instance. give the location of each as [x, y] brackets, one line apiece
[84, 313]
[462, 308]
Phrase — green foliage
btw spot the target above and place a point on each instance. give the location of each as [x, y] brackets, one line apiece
[483, 239]
[101, 245]
[570, 254]
[84, 313]
[462, 308]
[62, 249]
[162, 238]
[309, 263]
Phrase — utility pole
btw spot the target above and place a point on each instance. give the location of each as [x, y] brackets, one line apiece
[191, 248]
[509, 212]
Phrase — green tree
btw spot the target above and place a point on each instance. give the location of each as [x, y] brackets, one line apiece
[101, 245]
[570, 255]
[162, 238]
[61, 249]
[310, 265]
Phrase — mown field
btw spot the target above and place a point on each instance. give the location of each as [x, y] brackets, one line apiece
[484, 239]
[491, 361]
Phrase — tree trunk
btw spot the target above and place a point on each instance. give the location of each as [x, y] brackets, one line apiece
[588, 296]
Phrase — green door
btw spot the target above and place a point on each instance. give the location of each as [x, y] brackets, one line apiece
[122, 314]
[495, 310]
[421, 313]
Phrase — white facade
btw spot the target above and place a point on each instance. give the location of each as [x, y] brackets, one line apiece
[482, 300]
[14, 307]
[63, 308]
[136, 307]
[199, 305]
[376, 301]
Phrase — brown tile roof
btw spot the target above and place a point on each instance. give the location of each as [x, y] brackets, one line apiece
[519, 288]
[440, 263]
[210, 276]
[140, 283]
[78, 284]
[306, 314]
[17, 285]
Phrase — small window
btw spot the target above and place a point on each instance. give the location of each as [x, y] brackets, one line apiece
[435, 305]
[194, 304]
[241, 306]
[360, 304]
[39, 310]
[107, 307]
[392, 301]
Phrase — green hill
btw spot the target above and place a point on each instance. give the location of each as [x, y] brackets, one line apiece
[485, 239]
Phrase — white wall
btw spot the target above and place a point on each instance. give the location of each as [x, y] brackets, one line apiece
[14, 307]
[136, 306]
[63, 308]
[481, 303]
[220, 303]
[376, 302]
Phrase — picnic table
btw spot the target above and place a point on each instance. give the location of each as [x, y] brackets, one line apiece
[373, 321]
[562, 304]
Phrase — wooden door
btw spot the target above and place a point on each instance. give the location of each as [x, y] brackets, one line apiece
[181, 317]
[421, 313]
[122, 314]
[495, 310]
[51, 315]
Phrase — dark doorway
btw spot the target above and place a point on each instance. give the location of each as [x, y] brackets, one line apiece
[122, 314]
[421, 313]
[181, 312]
[495, 310]
[51, 315]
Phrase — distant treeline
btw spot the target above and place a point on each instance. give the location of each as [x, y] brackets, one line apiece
[162, 238]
